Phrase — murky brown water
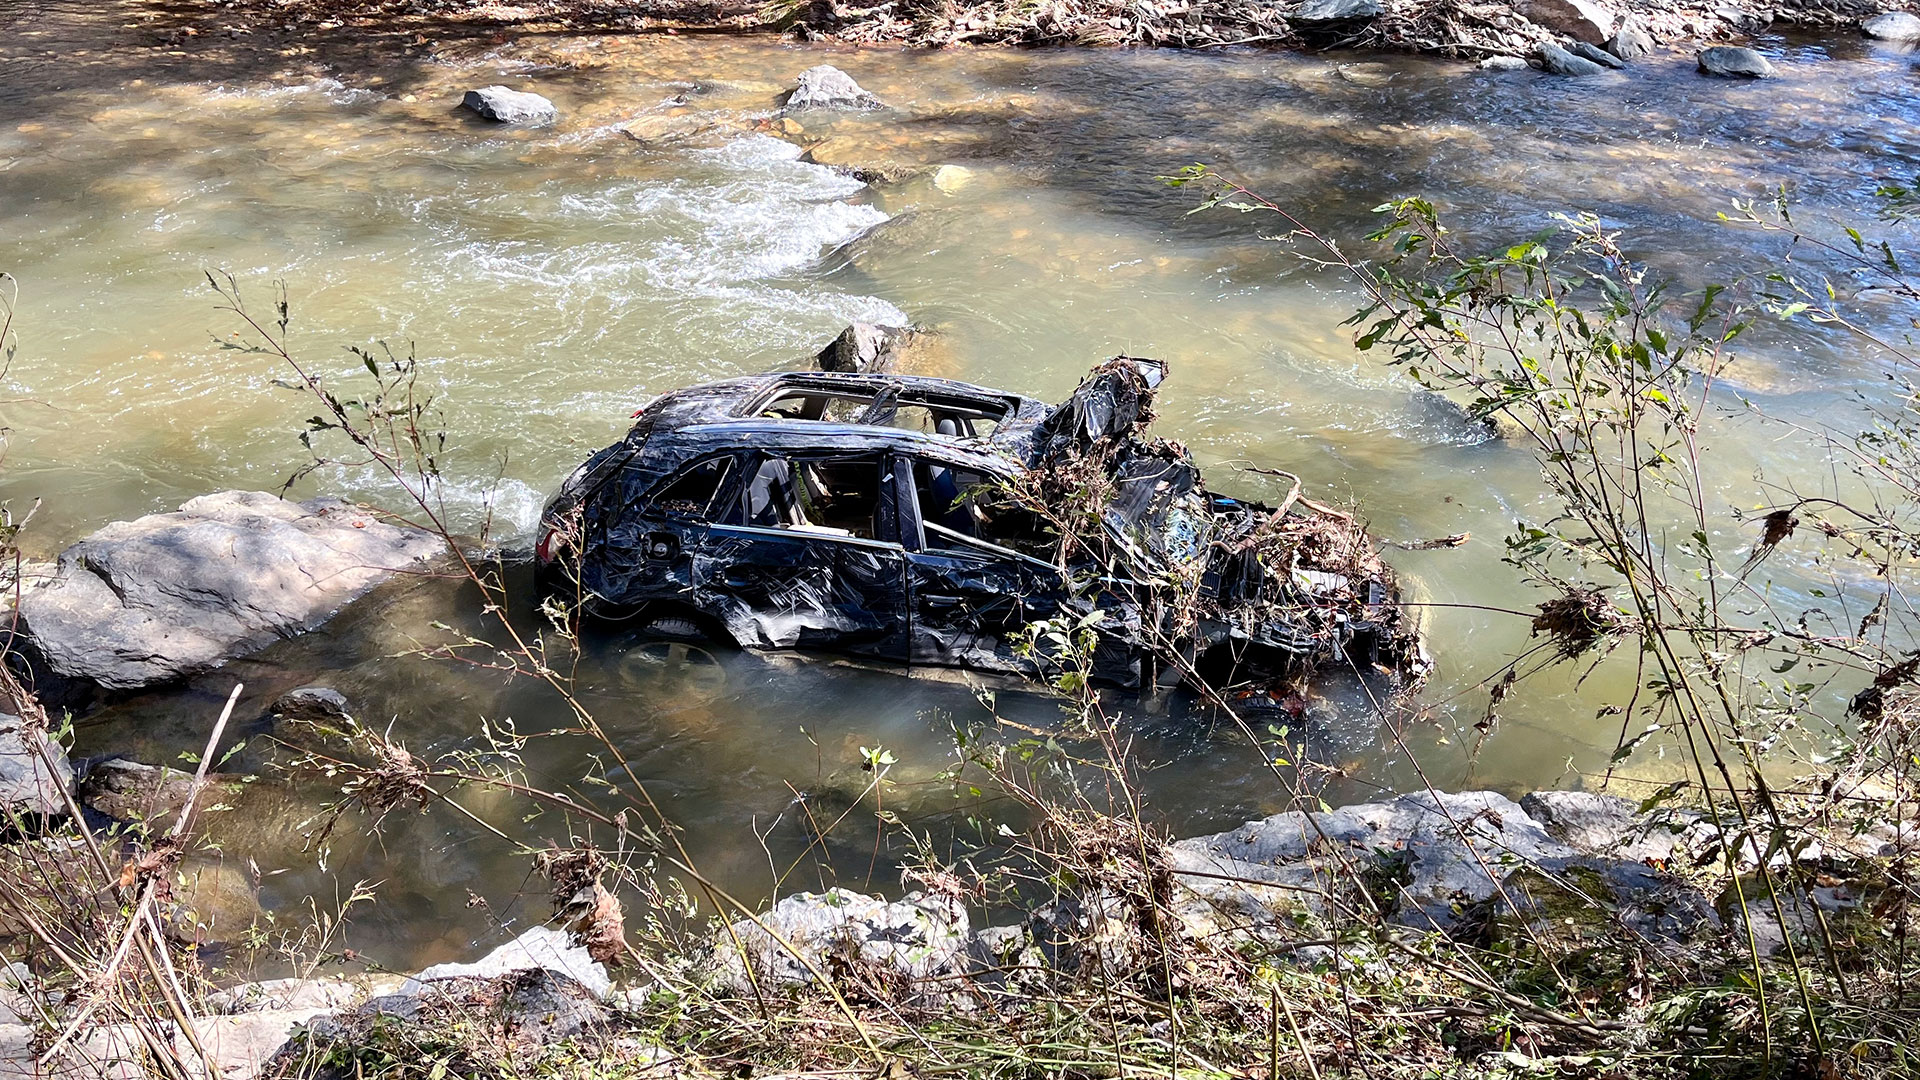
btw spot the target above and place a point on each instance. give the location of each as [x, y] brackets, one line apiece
[552, 279]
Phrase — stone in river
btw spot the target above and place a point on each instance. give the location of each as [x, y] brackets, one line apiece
[1631, 41]
[1596, 54]
[150, 601]
[1734, 62]
[1561, 62]
[313, 704]
[1893, 26]
[1581, 20]
[510, 106]
[1504, 63]
[827, 87]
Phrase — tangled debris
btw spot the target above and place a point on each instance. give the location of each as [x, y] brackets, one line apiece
[1247, 592]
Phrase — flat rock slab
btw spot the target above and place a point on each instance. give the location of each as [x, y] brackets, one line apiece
[508, 106]
[150, 601]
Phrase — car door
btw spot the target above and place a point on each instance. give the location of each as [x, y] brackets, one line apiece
[811, 563]
[649, 534]
[969, 596]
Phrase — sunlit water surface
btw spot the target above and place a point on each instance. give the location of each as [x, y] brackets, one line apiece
[551, 280]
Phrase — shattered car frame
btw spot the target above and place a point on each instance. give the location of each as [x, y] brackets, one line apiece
[920, 520]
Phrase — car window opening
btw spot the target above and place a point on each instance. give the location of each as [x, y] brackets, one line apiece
[882, 410]
[694, 492]
[836, 496]
[960, 508]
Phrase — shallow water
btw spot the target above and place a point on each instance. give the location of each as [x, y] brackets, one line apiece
[552, 280]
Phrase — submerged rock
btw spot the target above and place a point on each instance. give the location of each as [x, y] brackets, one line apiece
[213, 901]
[1559, 61]
[951, 178]
[153, 600]
[509, 106]
[1734, 62]
[916, 938]
[1580, 20]
[827, 87]
[1631, 41]
[312, 704]
[1893, 26]
[35, 775]
[152, 795]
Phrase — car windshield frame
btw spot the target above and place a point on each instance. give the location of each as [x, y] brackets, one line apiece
[993, 408]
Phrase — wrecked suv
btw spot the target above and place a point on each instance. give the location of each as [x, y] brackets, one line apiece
[926, 521]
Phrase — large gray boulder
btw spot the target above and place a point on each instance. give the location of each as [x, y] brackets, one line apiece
[1581, 20]
[917, 938]
[1893, 26]
[153, 600]
[827, 87]
[508, 106]
[1559, 61]
[1734, 62]
[34, 772]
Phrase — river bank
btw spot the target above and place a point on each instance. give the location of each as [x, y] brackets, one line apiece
[1441, 27]
[1389, 939]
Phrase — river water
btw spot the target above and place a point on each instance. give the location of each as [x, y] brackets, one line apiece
[551, 280]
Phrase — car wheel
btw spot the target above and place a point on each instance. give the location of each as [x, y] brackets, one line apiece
[668, 668]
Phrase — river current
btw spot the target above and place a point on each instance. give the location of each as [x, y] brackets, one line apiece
[669, 229]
